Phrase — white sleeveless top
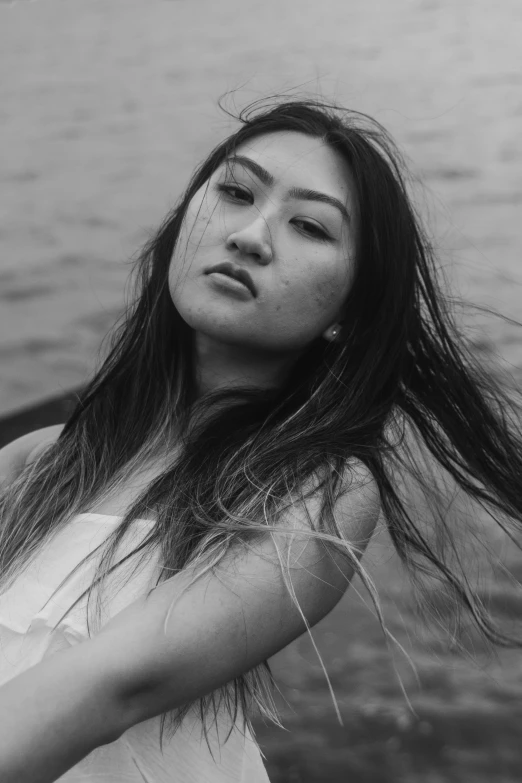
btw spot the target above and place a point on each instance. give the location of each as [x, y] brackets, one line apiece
[26, 637]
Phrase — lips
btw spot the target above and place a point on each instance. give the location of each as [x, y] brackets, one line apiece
[236, 273]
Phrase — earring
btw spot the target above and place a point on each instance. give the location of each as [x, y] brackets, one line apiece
[334, 331]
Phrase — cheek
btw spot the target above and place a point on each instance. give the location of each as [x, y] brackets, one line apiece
[195, 227]
[201, 220]
[326, 292]
[318, 290]
[199, 230]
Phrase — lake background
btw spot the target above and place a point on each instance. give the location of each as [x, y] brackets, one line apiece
[106, 106]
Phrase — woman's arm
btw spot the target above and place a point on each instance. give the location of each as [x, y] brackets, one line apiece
[55, 713]
[228, 622]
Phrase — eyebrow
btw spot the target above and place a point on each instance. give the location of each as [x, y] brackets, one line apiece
[304, 194]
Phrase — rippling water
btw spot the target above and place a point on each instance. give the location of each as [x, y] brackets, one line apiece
[109, 104]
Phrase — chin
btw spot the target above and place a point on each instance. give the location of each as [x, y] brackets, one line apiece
[225, 327]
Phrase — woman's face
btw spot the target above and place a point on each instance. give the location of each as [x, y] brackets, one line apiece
[282, 210]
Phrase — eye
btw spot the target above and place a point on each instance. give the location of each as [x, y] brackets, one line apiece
[235, 193]
[242, 196]
[313, 230]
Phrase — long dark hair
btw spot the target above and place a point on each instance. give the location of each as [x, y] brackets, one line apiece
[402, 381]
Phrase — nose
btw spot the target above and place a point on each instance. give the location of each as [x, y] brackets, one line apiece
[252, 240]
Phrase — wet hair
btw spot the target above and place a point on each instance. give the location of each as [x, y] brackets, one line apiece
[401, 392]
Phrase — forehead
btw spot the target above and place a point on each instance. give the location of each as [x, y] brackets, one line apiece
[297, 160]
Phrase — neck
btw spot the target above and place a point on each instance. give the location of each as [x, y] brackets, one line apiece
[220, 366]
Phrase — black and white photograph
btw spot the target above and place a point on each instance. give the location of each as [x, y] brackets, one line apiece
[260, 391]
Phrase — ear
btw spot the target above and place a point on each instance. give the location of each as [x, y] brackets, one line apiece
[332, 333]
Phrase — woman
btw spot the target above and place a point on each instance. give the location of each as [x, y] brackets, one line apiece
[286, 357]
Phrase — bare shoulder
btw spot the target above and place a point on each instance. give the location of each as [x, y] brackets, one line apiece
[39, 439]
[359, 503]
[15, 455]
[357, 506]
[358, 477]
